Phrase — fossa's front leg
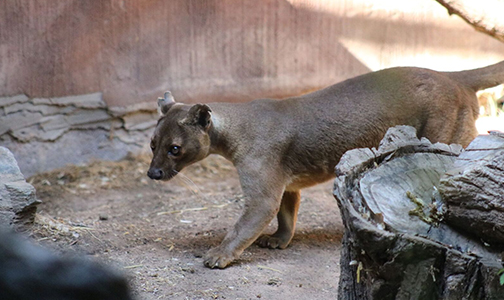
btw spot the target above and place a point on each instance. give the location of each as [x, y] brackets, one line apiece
[262, 191]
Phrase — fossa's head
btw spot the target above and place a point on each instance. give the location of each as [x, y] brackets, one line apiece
[180, 138]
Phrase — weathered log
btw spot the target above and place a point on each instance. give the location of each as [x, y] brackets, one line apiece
[474, 189]
[396, 245]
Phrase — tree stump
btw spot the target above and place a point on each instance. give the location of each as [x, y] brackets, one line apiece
[397, 244]
[474, 189]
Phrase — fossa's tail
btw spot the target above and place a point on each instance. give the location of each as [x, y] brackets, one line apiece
[482, 78]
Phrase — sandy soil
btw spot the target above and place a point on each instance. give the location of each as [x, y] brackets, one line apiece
[156, 233]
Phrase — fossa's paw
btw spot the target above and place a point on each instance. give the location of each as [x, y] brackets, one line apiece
[272, 242]
[217, 258]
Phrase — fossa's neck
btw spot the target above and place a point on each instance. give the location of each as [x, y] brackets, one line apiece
[219, 138]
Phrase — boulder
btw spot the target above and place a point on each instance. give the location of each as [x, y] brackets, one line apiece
[18, 201]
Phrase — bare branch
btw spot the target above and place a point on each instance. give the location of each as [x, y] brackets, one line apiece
[483, 15]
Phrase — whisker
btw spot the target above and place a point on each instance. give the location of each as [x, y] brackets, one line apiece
[186, 180]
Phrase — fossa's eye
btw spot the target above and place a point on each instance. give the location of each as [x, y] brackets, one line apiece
[174, 150]
[152, 146]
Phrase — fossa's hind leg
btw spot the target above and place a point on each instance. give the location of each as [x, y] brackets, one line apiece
[287, 217]
[452, 118]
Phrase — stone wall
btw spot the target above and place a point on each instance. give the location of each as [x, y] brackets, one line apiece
[47, 133]
[47, 119]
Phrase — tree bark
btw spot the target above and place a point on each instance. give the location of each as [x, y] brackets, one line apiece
[396, 244]
[474, 189]
[485, 16]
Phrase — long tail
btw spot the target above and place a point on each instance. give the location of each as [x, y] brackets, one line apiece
[482, 78]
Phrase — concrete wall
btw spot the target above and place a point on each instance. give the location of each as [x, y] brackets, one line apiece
[123, 54]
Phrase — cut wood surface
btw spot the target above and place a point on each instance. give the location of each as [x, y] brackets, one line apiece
[396, 243]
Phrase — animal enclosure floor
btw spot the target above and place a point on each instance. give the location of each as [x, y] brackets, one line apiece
[157, 232]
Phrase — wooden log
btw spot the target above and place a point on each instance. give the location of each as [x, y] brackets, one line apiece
[396, 245]
[474, 189]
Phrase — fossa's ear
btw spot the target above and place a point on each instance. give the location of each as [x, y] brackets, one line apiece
[200, 115]
[164, 104]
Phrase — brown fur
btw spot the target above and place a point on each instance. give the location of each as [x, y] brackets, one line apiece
[280, 147]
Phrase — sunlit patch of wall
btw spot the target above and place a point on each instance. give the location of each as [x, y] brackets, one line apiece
[384, 34]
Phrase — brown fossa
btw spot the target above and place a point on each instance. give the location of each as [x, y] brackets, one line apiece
[281, 146]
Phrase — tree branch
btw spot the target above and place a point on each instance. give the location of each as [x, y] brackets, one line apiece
[484, 15]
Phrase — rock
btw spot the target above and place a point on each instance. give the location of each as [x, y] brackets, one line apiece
[6, 101]
[54, 122]
[40, 101]
[87, 116]
[275, 281]
[118, 111]
[140, 121]
[14, 108]
[33, 273]
[18, 202]
[84, 101]
[18, 120]
[37, 129]
[131, 137]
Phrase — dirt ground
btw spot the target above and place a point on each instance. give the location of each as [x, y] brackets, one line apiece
[157, 232]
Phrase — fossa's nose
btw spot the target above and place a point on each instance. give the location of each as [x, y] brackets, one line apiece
[155, 173]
